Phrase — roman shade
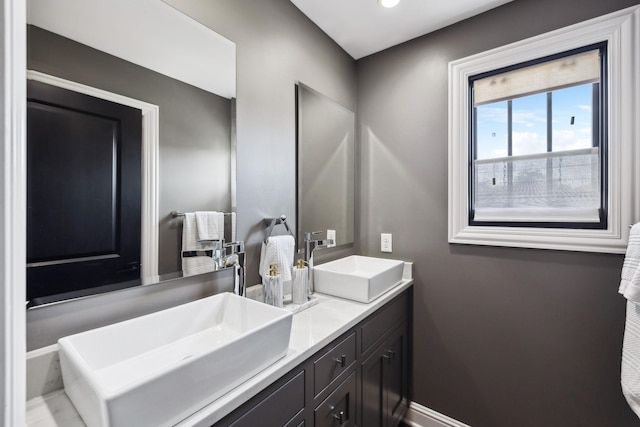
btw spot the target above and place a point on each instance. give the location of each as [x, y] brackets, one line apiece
[546, 76]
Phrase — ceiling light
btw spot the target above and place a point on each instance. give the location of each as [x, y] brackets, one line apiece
[389, 3]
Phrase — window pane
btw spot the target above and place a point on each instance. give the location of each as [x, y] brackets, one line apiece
[572, 118]
[530, 124]
[546, 187]
[491, 131]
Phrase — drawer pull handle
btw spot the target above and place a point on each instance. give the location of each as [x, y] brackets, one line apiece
[389, 355]
[342, 360]
[340, 416]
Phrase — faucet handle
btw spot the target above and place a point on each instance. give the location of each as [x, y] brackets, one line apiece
[307, 235]
[235, 246]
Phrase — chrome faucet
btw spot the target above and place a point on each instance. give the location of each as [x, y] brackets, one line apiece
[236, 256]
[310, 246]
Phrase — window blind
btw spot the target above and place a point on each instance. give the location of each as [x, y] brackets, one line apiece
[568, 71]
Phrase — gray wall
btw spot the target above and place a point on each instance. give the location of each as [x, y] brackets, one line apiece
[503, 337]
[276, 47]
[195, 129]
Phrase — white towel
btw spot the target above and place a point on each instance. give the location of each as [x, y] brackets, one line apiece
[630, 369]
[210, 225]
[195, 264]
[630, 280]
[630, 288]
[278, 250]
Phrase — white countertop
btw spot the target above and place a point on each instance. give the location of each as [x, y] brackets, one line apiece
[311, 330]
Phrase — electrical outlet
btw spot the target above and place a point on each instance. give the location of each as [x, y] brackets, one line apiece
[331, 234]
[386, 243]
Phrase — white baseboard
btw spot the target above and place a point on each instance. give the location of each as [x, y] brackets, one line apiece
[420, 416]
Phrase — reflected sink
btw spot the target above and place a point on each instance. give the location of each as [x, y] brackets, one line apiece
[157, 369]
[358, 278]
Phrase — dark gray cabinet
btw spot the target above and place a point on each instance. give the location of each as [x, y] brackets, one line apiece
[359, 379]
[385, 382]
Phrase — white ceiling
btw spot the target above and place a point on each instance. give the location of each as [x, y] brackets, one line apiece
[363, 27]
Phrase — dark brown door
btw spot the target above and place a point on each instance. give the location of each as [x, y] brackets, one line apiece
[83, 194]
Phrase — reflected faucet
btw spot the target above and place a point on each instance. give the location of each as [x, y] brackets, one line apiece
[237, 257]
[310, 246]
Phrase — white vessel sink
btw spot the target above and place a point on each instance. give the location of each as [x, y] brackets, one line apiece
[157, 369]
[358, 278]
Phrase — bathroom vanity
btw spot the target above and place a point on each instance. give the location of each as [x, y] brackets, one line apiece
[359, 378]
[347, 364]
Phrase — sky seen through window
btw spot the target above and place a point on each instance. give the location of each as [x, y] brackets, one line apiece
[571, 123]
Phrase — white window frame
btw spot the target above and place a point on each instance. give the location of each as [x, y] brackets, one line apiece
[620, 31]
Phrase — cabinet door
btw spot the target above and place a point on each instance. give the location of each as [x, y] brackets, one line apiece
[385, 382]
[372, 391]
[395, 377]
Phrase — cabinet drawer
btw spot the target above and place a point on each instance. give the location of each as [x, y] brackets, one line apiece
[339, 409]
[374, 329]
[277, 408]
[333, 363]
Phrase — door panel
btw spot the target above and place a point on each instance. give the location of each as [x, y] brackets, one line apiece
[68, 173]
[83, 192]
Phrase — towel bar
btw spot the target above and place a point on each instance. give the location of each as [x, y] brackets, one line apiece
[177, 214]
[272, 222]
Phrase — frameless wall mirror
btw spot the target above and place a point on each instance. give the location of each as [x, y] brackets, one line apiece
[177, 77]
[325, 166]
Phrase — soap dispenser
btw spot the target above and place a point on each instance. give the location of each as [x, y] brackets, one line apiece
[299, 283]
[273, 293]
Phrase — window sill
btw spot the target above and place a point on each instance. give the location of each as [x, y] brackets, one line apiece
[604, 241]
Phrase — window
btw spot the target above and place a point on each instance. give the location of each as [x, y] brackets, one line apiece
[541, 139]
[536, 145]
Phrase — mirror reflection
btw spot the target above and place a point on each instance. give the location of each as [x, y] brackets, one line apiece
[79, 187]
[325, 167]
